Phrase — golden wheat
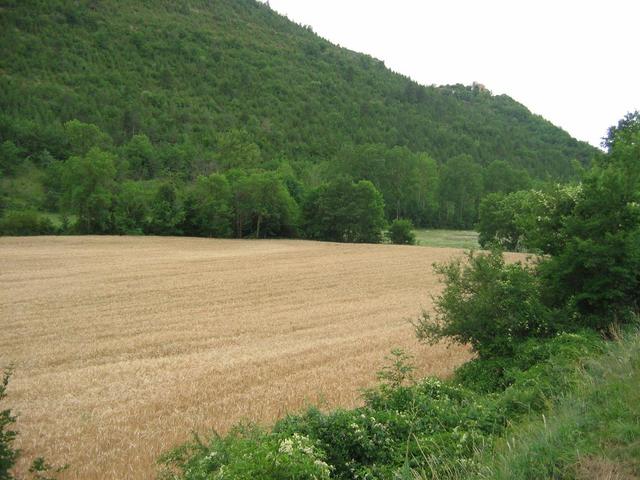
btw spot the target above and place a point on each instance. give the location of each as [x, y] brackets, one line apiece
[123, 346]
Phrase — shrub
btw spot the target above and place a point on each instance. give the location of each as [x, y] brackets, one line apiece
[596, 276]
[401, 232]
[247, 453]
[488, 304]
[25, 222]
[528, 220]
[486, 375]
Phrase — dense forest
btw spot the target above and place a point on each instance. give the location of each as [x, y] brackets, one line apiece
[111, 108]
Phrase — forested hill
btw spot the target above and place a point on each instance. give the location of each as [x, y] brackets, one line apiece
[183, 73]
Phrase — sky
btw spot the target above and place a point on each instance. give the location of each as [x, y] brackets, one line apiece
[576, 63]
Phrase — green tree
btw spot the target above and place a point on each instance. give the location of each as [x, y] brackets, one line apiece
[141, 157]
[488, 304]
[528, 220]
[82, 137]
[398, 180]
[502, 177]
[423, 203]
[236, 149]
[264, 205]
[25, 222]
[596, 273]
[210, 206]
[344, 211]
[131, 208]
[166, 212]
[11, 157]
[460, 191]
[89, 185]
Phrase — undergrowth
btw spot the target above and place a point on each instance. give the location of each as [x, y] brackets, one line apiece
[408, 428]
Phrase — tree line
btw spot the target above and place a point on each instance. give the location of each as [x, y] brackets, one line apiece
[94, 186]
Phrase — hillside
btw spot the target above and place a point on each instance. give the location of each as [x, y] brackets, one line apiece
[182, 72]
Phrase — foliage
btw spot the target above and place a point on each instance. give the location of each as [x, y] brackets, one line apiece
[591, 232]
[89, 183]
[398, 371]
[592, 433]
[198, 90]
[528, 220]
[241, 71]
[264, 206]
[141, 158]
[25, 222]
[208, 207]
[131, 208]
[81, 137]
[596, 275]
[497, 221]
[166, 212]
[502, 177]
[10, 157]
[488, 304]
[247, 453]
[344, 211]
[406, 427]
[461, 188]
[401, 232]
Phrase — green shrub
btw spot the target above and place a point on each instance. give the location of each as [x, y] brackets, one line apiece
[25, 222]
[596, 275]
[495, 374]
[593, 425]
[247, 453]
[431, 427]
[488, 304]
[401, 232]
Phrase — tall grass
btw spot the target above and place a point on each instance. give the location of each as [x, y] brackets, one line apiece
[592, 432]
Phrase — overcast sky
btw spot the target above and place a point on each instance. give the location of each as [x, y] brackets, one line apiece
[576, 63]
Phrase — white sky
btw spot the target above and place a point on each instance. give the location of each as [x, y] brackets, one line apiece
[576, 63]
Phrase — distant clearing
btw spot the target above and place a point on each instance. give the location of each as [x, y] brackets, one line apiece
[447, 238]
[124, 345]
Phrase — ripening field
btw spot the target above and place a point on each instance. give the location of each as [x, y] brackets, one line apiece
[122, 346]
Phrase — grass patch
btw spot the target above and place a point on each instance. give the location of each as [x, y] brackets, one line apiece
[593, 432]
[447, 238]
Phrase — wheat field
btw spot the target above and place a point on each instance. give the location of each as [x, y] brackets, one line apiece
[123, 346]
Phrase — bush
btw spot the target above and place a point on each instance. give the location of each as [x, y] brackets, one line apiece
[25, 222]
[528, 220]
[496, 374]
[488, 304]
[247, 453]
[429, 427]
[596, 275]
[401, 232]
